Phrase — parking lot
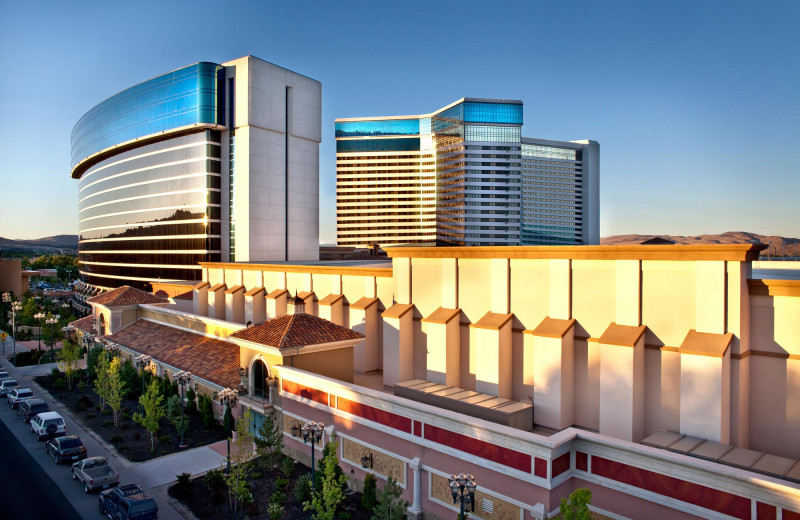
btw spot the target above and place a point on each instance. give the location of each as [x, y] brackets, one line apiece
[156, 472]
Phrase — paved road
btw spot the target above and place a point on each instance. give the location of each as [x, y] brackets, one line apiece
[18, 471]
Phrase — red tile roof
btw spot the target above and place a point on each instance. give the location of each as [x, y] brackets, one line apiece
[126, 295]
[208, 358]
[296, 330]
[85, 324]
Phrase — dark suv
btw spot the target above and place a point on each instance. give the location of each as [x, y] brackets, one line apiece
[28, 409]
[66, 448]
[127, 502]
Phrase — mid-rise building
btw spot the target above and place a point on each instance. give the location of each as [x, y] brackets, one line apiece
[463, 175]
[211, 162]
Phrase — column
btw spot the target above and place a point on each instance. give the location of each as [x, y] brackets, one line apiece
[415, 509]
[365, 318]
[234, 304]
[443, 329]
[705, 386]
[216, 301]
[622, 382]
[276, 303]
[255, 306]
[398, 344]
[200, 299]
[331, 308]
[552, 366]
[490, 351]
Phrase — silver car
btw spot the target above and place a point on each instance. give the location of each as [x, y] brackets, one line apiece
[7, 386]
[18, 395]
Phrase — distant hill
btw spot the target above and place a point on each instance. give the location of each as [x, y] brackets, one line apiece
[778, 246]
[44, 244]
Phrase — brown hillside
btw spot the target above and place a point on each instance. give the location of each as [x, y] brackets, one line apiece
[778, 246]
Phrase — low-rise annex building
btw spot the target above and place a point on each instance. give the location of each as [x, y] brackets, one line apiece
[664, 378]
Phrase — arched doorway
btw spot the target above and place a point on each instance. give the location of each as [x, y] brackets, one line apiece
[101, 328]
[260, 375]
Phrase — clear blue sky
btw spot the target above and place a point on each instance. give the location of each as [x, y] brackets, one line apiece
[696, 105]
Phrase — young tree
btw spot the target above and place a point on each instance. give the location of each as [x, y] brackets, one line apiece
[576, 507]
[92, 359]
[390, 506]
[369, 495]
[326, 501]
[269, 441]
[236, 480]
[115, 388]
[151, 402]
[174, 415]
[68, 359]
[101, 381]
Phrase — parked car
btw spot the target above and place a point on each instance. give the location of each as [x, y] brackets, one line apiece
[69, 447]
[7, 386]
[127, 502]
[30, 408]
[95, 473]
[48, 424]
[4, 375]
[19, 395]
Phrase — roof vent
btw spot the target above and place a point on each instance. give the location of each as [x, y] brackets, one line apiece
[295, 305]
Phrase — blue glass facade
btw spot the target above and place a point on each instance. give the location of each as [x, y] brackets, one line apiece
[184, 97]
[378, 145]
[377, 128]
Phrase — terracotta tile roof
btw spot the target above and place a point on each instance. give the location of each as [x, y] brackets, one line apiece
[208, 358]
[296, 330]
[126, 295]
[85, 324]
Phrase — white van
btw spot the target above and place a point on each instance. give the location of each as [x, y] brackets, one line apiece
[48, 424]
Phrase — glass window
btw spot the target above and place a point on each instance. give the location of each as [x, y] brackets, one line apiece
[378, 128]
[377, 145]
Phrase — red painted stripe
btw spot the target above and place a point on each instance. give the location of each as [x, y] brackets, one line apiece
[375, 414]
[581, 461]
[305, 392]
[505, 456]
[790, 515]
[560, 464]
[540, 467]
[766, 511]
[710, 498]
[418, 428]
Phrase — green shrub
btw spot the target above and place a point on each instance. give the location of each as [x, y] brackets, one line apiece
[214, 480]
[165, 439]
[81, 385]
[277, 497]
[275, 511]
[206, 411]
[282, 483]
[184, 478]
[369, 496]
[287, 467]
[302, 489]
[106, 424]
[126, 417]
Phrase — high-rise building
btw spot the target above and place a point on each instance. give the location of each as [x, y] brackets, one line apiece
[462, 175]
[211, 162]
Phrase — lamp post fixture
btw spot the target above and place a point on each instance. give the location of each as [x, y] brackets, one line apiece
[312, 432]
[15, 308]
[6, 299]
[182, 377]
[463, 488]
[38, 317]
[141, 361]
[228, 397]
[52, 321]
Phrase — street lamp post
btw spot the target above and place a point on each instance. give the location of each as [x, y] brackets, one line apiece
[182, 377]
[228, 397]
[312, 432]
[52, 321]
[15, 307]
[141, 361]
[463, 488]
[6, 299]
[38, 317]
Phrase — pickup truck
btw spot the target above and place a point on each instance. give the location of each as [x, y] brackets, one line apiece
[94, 473]
[127, 502]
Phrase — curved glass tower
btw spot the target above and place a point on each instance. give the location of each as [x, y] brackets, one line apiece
[156, 174]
